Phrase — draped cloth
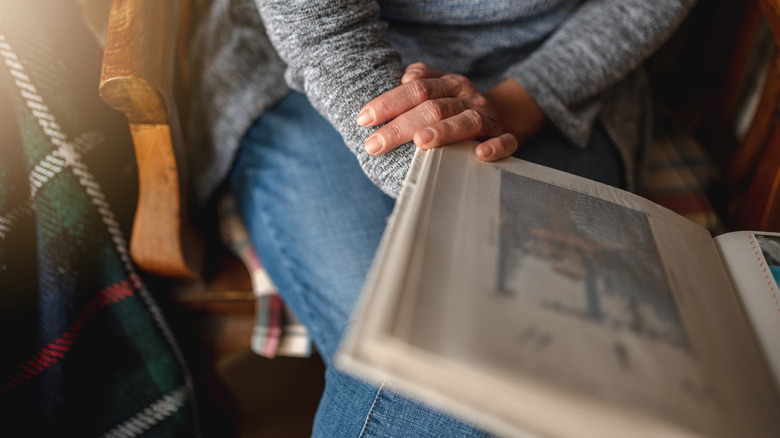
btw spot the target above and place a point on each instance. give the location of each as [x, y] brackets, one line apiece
[85, 350]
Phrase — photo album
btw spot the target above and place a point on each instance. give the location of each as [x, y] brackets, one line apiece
[532, 302]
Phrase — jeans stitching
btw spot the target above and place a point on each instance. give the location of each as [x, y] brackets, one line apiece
[371, 413]
[284, 262]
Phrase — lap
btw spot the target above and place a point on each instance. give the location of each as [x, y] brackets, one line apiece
[316, 221]
[312, 214]
[599, 161]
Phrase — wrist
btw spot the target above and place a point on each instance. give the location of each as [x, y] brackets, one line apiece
[516, 109]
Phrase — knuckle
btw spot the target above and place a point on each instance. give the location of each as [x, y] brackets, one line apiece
[451, 79]
[391, 133]
[419, 91]
[474, 119]
[434, 110]
[394, 132]
[459, 81]
[382, 107]
[480, 100]
[448, 128]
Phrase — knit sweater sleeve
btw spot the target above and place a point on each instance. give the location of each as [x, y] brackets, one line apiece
[599, 44]
[336, 53]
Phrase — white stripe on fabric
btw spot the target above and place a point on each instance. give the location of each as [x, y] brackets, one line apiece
[6, 52]
[32, 104]
[7, 221]
[53, 163]
[40, 114]
[13, 64]
[15, 72]
[31, 96]
[25, 86]
[153, 414]
[73, 159]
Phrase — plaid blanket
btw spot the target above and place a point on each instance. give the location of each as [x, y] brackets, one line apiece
[277, 330]
[85, 349]
[678, 173]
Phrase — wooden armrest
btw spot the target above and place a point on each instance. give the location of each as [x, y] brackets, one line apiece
[761, 208]
[735, 120]
[137, 78]
[756, 163]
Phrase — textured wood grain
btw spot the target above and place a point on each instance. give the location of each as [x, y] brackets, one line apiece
[163, 241]
[760, 209]
[138, 61]
[139, 65]
[743, 161]
[756, 162]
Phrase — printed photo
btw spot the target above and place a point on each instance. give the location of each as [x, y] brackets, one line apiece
[770, 247]
[570, 253]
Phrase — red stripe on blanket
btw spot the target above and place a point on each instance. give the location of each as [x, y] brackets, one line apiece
[58, 348]
[273, 328]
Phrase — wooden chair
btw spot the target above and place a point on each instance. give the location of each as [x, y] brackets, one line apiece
[753, 175]
[212, 311]
[698, 76]
[703, 77]
[144, 68]
[138, 75]
[144, 71]
[205, 290]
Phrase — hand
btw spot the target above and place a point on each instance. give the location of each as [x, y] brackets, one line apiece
[434, 109]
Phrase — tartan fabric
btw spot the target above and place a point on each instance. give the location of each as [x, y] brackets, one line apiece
[678, 173]
[277, 331]
[85, 349]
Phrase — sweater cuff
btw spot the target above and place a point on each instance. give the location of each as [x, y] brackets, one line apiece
[574, 121]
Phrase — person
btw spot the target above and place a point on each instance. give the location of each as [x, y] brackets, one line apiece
[556, 82]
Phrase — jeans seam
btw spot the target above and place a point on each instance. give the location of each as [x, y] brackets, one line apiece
[284, 262]
[371, 412]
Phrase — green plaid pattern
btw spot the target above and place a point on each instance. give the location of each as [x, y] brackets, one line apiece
[86, 350]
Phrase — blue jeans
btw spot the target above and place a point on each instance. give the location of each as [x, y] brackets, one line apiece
[316, 220]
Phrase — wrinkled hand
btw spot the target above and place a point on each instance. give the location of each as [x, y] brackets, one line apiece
[433, 109]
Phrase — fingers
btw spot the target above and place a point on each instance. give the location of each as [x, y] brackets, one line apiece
[434, 109]
[497, 148]
[407, 96]
[419, 70]
[401, 129]
[466, 125]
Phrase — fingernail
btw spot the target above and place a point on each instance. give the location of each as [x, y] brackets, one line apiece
[484, 151]
[374, 144]
[365, 117]
[425, 136]
[411, 74]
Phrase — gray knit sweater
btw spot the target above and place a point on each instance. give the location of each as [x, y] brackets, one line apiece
[577, 59]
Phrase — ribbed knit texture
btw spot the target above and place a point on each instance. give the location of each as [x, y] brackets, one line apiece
[578, 60]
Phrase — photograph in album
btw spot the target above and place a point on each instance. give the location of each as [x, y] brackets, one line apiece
[604, 268]
[533, 302]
